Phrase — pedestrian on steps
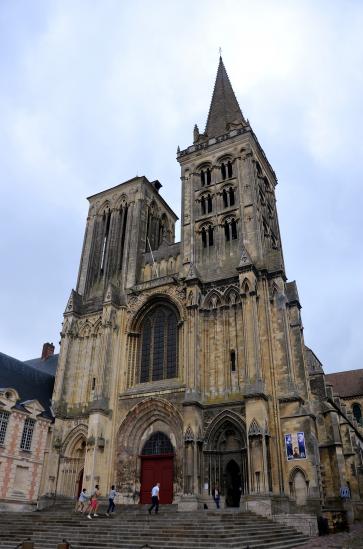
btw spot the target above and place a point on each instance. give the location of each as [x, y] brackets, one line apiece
[111, 500]
[155, 498]
[83, 497]
[216, 496]
[93, 504]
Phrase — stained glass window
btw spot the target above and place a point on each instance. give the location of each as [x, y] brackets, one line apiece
[158, 443]
[159, 345]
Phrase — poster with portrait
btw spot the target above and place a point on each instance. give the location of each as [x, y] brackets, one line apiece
[295, 446]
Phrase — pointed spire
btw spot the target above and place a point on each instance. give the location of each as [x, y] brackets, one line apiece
[224, 109]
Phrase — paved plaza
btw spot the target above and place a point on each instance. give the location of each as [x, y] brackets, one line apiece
[345, 540]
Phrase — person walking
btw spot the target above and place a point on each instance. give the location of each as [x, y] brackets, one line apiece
[216, 496]
[93, 504]
[155, 498]
[111, 500]
[83, 497]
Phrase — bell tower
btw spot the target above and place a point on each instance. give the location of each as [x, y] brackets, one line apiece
[228, 194]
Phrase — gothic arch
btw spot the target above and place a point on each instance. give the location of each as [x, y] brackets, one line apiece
[85, 329]
[212, 300]
[224, 158]
[223, 418]
[157, 299]
[295, 470]
[121, 202]
[231, 296]
[74, 438]
[146, 416]
[104, 207]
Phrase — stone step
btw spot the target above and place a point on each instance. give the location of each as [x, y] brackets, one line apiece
[132, 528]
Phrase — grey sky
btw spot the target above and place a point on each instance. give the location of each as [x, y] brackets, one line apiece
[93, 93]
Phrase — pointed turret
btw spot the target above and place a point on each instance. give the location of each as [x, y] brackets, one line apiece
[224, 110]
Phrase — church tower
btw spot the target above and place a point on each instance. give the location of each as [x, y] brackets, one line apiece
[184, 362]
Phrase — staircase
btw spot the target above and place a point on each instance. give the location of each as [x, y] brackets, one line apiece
[132, 527]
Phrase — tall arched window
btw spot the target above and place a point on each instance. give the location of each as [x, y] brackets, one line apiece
[159, 344]
[202, 178]
[230, 230]
[357, 412]
[209, 178]
[223, 171]
[229, 169]
[202, 203]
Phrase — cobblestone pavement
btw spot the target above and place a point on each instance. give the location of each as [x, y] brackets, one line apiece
[345, 540]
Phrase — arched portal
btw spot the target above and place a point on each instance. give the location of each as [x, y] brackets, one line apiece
[71, 463]
[157, 465]
[225, 457]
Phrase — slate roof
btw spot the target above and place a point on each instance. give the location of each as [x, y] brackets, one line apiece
[49, 366]
[29, 382]
[347, 384]
[224, 108]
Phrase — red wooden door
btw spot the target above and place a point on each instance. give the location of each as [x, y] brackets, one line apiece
[157, 469]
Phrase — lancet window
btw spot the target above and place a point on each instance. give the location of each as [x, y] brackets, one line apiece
[230, 230]
[228, 197]
[207, 236]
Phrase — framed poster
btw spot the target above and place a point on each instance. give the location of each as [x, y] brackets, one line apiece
[295, 446]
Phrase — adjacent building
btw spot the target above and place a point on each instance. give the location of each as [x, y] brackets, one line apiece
[25, 428]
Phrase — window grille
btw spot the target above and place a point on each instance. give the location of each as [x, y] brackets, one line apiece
[4, 420]
[158, 443]
[26, 439]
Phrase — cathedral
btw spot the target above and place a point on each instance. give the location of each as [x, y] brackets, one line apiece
[184, 362]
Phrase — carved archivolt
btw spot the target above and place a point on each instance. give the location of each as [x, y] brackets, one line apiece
[141, 417]
[227, 417]
[215, 298]
[138, 305]
[74, 439]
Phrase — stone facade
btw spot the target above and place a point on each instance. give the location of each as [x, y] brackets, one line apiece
[193, 352]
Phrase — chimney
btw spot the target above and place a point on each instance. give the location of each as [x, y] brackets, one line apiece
[48, 350]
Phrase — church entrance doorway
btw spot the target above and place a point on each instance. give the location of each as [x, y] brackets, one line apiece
[225, 460]
[233, 484]
[157, 465]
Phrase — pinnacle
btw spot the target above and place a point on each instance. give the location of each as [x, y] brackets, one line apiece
[224, 110]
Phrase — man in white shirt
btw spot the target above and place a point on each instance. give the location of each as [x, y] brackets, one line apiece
[155, 498]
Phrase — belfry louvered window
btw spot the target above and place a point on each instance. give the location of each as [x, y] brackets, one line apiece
[26, 439]
[4, 420]
[159, 339]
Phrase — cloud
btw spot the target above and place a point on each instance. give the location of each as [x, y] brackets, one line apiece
[93, 93]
